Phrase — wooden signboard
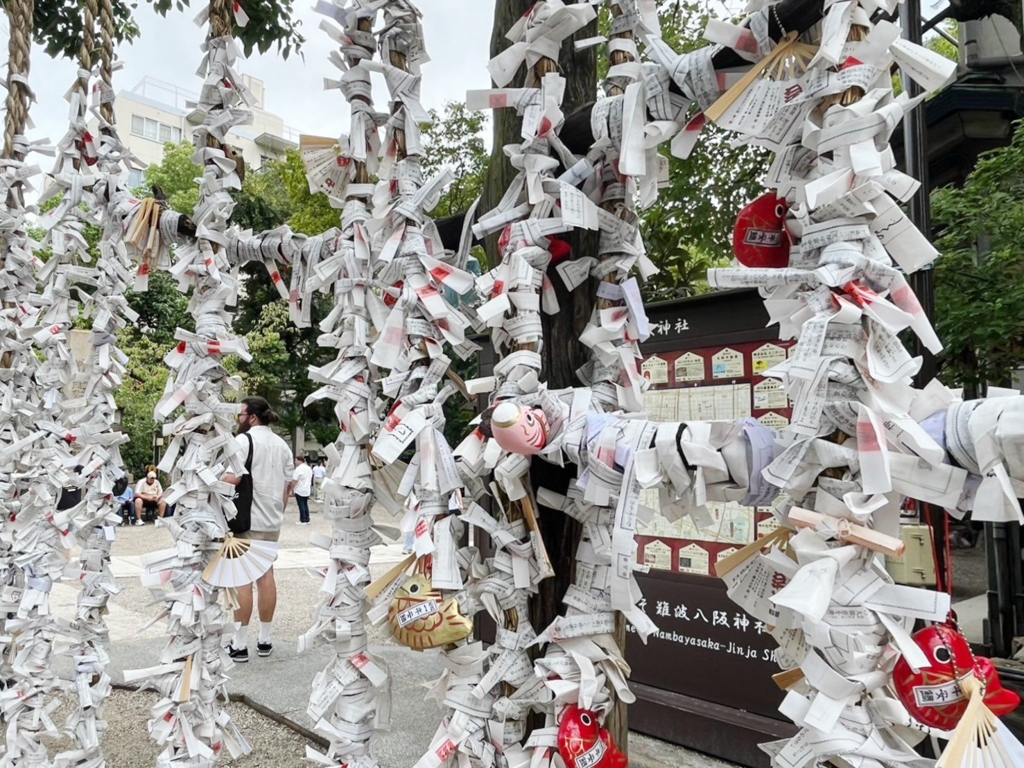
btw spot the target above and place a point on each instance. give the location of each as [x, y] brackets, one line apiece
[705, 679]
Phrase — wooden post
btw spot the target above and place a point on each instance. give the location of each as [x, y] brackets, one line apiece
[562, 352]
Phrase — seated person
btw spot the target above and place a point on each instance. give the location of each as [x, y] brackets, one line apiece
[149, 495]
[126, 500]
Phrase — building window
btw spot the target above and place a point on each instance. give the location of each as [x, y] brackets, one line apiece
[135, 178]
[154, 130]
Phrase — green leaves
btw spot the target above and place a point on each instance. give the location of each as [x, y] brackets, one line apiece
[455, 139]
[161, 310]
[176, 177]
[310, 214]
[137, 397]
[979, 279]
[59, 24]
[263, 201]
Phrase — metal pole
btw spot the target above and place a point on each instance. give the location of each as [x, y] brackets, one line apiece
[915, 149]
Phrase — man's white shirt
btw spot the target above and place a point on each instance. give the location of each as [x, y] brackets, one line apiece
[271, 471]
[303, 477]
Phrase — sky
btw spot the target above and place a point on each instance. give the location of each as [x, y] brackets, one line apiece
[457, 37]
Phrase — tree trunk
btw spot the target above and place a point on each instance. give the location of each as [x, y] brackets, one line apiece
[562, 353]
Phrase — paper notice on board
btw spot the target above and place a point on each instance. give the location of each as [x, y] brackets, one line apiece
[689, 367]
[655, 370]
[727, 364]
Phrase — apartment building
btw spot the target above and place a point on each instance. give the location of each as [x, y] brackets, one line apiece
[156, 112]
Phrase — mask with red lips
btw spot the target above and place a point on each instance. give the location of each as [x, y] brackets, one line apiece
[519, 430]
[933, 695]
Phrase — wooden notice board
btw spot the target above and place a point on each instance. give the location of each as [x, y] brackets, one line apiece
[704, 680]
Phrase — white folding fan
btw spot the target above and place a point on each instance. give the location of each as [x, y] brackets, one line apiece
[980, 739]
[240, 561]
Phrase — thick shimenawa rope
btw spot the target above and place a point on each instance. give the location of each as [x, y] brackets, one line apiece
[19, 13]
[221, 18]
[88, 45]
[107, 54]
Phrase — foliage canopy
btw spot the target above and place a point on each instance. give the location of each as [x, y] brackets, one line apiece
[59, 24]
[980, 276]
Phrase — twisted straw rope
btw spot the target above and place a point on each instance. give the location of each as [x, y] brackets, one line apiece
[107, 54]
[221, 18]
[88, 44]
[19, 14]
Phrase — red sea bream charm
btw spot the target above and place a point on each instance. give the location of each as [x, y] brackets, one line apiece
[760, 238]
[583, 743]
[934, 695]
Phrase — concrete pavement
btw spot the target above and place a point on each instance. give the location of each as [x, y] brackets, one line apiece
[282, 682]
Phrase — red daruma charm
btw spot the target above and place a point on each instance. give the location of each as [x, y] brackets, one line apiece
[933, 695]
[519, 430]
[760, 238]
[583, 743]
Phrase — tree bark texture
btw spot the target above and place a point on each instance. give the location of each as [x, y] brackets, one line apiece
[562, 353]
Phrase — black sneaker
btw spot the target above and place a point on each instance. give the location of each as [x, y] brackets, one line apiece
[238, 655]
[264, 649]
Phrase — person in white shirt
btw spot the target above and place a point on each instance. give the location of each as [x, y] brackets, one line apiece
[319, 473]
[271, 471]
[149, 494]
[302, 487]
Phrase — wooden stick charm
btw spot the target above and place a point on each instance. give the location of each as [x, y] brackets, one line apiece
[849, 532]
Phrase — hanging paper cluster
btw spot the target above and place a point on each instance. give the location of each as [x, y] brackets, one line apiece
[828, 113]
[351, 696]
[513, 295]
[89, 176]
[390, 244]
[32, 448]
[595, 192]
[189, 721]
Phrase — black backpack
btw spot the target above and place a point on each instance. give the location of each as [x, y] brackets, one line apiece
[242, 520]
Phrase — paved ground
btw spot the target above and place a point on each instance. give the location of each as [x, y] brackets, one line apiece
[127, 743]
[282, 682]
